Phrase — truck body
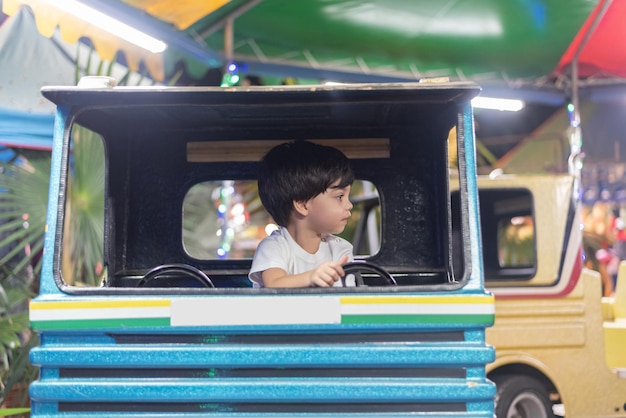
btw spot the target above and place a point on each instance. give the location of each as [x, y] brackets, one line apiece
[557, 340]
[174, 328]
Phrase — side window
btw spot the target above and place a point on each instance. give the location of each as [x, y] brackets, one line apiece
[82, 255]
[225, 219]
[516, 241]
[508, 233]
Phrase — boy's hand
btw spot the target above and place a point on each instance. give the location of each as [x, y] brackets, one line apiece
[327, 273]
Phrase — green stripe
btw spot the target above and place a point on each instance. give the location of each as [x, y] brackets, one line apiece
[483, 319]
[100, 323]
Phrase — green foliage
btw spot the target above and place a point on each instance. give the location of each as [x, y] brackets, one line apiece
[23, 199]
[17, 378]
[11, 412]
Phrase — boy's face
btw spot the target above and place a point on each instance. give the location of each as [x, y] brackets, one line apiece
[329, 211]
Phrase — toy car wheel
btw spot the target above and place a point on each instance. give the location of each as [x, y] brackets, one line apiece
[521, 397]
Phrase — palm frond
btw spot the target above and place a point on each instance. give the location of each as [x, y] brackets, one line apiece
[23, 201]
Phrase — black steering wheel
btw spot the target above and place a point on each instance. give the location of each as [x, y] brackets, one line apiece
[356, 267]
[176, 269]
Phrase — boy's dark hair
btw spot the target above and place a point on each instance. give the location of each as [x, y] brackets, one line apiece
[299, 171]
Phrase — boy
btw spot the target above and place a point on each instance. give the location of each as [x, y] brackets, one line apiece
[305, 187]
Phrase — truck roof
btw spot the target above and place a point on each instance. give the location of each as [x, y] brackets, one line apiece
[260, 96]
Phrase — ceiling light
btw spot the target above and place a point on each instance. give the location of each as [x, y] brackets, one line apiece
[107, 23]
[510, 105]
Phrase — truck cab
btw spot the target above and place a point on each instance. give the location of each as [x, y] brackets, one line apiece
[172, 325]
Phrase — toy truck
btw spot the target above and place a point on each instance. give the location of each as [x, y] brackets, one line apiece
[175, 328]
[558, 342]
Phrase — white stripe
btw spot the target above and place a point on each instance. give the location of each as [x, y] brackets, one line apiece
[416, 309]
[98, 313]
[271, 310]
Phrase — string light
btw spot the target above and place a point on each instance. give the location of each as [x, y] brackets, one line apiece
[231, 75]
[232, 216]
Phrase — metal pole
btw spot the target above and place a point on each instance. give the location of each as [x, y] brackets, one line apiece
[575, 133]
[229, 35]
[233, 15]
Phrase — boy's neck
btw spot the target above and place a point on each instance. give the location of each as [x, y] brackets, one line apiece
[307, 239]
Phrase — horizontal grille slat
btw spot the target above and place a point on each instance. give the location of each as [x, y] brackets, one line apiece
[358, 355]
[315, 390]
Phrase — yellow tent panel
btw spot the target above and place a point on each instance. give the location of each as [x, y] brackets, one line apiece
[181, 14]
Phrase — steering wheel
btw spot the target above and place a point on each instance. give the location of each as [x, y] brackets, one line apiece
[356, 267]
[181, 269]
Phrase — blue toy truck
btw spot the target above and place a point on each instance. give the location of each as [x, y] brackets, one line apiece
[175, 328]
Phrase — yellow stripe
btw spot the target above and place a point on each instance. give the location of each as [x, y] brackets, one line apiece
[101, 304]
[397, 300]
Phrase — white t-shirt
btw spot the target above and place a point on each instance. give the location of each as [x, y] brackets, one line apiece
[279, 250]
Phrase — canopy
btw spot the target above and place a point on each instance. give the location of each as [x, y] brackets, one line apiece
[599, 48]
[26, 117]
[499, 43]
[29, 61]
[524, 48]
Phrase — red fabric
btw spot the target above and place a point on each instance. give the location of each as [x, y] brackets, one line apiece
[618, 230]
[604, 54]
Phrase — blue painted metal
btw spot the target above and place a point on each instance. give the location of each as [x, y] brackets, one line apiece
[466, 126]
[408, 354]
[48, 284]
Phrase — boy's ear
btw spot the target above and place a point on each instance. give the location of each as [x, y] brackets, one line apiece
[301, 207]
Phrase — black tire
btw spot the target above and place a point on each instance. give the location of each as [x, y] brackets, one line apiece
[521, 397]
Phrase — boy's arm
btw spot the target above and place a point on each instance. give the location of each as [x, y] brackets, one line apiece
[325, 275]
